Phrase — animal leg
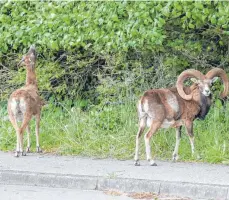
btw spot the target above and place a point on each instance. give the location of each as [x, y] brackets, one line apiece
[191, 138]
[153, 128]
[18, 144]
[21, 131]
[28, 139]
[189, 129]
[25, 124]
[15, 125]
[37, 133]
[142, 124]
[178, 137]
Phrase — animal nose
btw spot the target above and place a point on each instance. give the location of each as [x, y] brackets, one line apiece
[208, 91]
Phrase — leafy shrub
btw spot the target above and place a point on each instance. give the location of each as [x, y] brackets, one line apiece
[107, 51]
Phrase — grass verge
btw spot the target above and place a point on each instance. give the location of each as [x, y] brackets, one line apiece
[110, 132]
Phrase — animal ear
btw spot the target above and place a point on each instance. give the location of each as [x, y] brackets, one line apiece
[214, 79]
[194, 80]
[21, 62]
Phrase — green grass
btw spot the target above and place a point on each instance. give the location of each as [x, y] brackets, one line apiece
[110, 132]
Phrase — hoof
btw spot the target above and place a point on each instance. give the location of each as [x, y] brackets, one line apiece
[137, 163]
[23, 153]
[152, 163]
[16, 154]
[39, 150]
[175, 158]
[28, 149]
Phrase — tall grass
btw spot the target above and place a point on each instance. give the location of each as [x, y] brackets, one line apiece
[110, 132]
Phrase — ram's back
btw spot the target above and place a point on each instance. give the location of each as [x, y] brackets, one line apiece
[166, 106]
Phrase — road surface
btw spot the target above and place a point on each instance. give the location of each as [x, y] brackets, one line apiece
[17, 192]
[194, 180]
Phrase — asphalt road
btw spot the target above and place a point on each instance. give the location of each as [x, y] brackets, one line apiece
[17, 192]
[194, 180]
[165, 171]
[22, 192]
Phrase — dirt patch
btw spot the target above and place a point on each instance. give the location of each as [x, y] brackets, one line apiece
[113, 193]
[144, 195]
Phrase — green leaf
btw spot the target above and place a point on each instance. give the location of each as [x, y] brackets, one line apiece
[190, 25]
[188, 14]
[54, 45]
[226, 32]
[115, 18]
[178, 6]
[199, 5]
[142, 5]
[213, 19]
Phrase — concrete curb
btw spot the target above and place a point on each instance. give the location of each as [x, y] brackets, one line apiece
[196, 191]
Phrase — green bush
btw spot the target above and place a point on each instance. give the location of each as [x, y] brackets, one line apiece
[85, 47]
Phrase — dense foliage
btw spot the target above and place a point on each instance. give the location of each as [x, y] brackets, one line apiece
[103, 52]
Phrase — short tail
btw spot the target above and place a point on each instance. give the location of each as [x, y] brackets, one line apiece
[18, 108]
[141, 110]
[17, 104]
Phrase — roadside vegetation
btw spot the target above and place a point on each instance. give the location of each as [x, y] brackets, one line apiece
[110, 132]
[94, 62]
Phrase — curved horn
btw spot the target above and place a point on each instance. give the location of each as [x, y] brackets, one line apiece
[218, 72]
[182, 77]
